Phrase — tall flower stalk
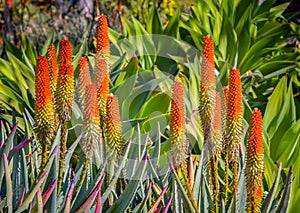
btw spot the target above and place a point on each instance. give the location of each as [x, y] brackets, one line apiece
[178, 139]
[254, 163]
[44, 111]
[64, 98]
[207, 91]
[234, 128]
[91, 128]
[102, 70]
[214, 161]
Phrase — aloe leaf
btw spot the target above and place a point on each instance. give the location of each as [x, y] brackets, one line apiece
[98, 205]
[118, 172]
[69, 197]
[266, 206]
[121, 204]
[32, 193]
[22, 198]
[39, 201]
[49, 191]
[17, 148]
[285, 199]
[154, 206]
[6, 147]
[9, 192]
[189, 205]
[168, 204]
[89, 202]
[80, 198]
[142, 204]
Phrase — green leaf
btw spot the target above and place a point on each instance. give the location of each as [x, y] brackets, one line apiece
[270, 197]
[154, 25]
[285, 199]
[289, 146]
[172, 28]
[8, 182]
[126, 197]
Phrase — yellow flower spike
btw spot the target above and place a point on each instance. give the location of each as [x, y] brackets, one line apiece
[254, 163]
[178, 139]
[113, 125]
[44, 112]
[234, 123]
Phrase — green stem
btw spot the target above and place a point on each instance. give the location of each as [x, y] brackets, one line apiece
[62, 152]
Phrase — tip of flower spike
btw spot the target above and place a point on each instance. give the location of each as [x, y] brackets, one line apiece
[208, 66]
[235, 95]
[255, 137]
[65, 51]
[52, 61]
[102, 41]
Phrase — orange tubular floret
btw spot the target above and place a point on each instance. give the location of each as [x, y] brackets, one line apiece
[65, 51]
[102, 34]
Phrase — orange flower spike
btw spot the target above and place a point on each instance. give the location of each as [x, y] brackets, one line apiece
[177, 128]
[234, 115]
[102, 42]
[65, 51]
[53, 67]
[42, 85]
[113, 125]
[84, 79]
[208, 89]
[234, 124]
[44, 112]
[177, 111]
[254, 163]
[65, 90]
